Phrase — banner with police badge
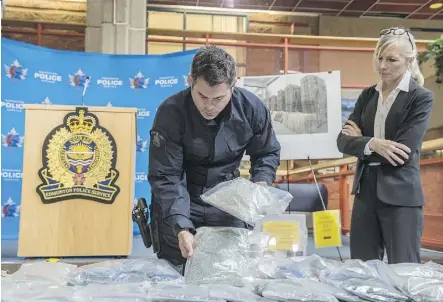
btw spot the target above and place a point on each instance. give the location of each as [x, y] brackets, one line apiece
[37, 75]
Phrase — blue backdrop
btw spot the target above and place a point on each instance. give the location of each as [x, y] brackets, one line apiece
[34, 74]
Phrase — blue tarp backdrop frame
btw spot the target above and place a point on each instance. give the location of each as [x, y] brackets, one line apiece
[37, 75]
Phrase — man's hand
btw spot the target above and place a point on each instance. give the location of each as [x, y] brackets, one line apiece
[351, 129]
[186, 243]
[394, 152]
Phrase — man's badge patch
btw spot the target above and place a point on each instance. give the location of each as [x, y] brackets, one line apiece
[157, 140]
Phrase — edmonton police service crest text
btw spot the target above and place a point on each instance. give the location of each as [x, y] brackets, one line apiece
[79, 160]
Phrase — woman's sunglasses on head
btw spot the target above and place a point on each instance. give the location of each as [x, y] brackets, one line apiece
[397, 31]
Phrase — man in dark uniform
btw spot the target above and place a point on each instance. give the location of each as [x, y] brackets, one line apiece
[198, 139]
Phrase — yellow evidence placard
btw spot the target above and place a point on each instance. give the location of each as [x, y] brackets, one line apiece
[284, 235]
[327, 228]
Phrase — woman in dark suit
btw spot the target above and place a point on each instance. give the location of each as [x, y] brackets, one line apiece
[385, 131]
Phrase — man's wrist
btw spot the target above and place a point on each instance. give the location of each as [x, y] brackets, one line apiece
[183, 230]
[262, 179]
[182, 223]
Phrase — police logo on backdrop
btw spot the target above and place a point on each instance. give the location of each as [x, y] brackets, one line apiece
[16, 71]
[13, 105]
[46, 101]
[141, 177]
[12, 139]
[185, 80]
[141, 144]
[79, 79]
[79, 159]
[108, 82]
[142, 113]
[48, 77]
[165, 82]
[10, 209]
[139, 81]
[11, 175]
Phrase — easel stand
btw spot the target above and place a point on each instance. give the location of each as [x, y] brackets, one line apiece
[321, 197]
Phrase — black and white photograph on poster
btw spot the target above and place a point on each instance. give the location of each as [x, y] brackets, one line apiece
[295, 109]
[305, 111]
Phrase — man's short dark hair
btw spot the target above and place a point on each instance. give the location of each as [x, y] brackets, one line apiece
[214, 65]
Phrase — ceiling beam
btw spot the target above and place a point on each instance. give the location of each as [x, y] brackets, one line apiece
[332, 10]
[400, 3]
[421, 6]
[272, 4]
[344, 8]
[296, 5]
[369, 8]
[434, 15]
[334, 1]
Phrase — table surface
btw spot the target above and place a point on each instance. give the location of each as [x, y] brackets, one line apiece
[9, 252]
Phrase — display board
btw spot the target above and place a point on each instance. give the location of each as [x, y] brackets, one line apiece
[305, 110]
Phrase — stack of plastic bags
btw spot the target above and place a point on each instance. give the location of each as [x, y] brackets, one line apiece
[221, 256]
[304, 272]
[127, 280]
[295, 268]
[229, 264]
[361, 280]
[124, 271]
[224, 255]
[286, 290]
[312, 279]
[351, 281]
[130, 292]
[421, 283]
[38, 281]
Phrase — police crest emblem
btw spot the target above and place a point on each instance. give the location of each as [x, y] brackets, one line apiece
[79, 160]
[156, 139]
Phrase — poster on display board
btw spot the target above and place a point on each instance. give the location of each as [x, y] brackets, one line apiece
[348, 99]
[37, 75]
[305, 111]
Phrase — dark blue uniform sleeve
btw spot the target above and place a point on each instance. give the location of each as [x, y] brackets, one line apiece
[166, 173]
[264, 148]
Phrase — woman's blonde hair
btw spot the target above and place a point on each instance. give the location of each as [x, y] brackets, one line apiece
[403, 38]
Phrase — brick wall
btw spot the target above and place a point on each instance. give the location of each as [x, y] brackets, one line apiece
[432, 180]
[262, 61]
[269, 61]
[333, 194]
[32, 39]
[53, 42]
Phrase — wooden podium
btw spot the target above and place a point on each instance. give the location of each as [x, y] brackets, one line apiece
[78, 181]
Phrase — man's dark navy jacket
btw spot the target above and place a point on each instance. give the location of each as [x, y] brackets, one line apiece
[189, 154]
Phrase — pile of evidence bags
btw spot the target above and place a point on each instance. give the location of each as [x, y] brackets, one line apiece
[310, 278]
[229, 264]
